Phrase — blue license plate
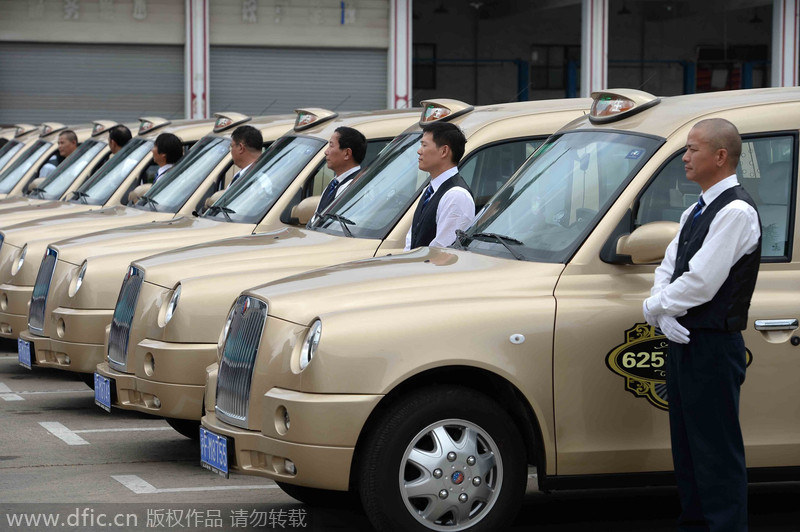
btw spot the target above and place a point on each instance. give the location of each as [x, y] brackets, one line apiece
[102, 392]
[24, 350]
[214, 452]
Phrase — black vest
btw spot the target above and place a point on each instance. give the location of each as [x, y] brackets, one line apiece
[727, 310]
[423, 228]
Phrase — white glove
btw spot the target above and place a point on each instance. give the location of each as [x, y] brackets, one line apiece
[649, 317]
[674, 331]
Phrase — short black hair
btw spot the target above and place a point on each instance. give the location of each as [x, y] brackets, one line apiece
[71, 136]
[353, 139]
[447, 134]
[119, 134]
[171, 146]
[249, 136]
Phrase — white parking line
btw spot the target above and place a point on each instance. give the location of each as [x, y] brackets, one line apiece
[7, 395]
[63, 433]
[140, 486]
[70, 437]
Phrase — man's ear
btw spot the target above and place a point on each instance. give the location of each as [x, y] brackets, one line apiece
[722, 157]
[348, 153]
[446, 152]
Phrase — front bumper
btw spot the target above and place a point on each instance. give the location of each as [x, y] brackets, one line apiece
[325, 429]
[180, 401]
[14, 305]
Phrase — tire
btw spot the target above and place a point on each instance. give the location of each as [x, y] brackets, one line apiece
[186, 427]
[320, 498]
[428, 425]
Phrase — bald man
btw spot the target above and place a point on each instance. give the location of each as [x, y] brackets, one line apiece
[699, 300]
[67, 143]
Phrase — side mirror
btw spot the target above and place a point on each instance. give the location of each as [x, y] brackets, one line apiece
[212, 199]
[648, 243]
[303, 211]
[137, 193]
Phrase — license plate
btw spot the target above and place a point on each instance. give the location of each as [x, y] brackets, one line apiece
[24, 350]
[102, 392]
[214, 452]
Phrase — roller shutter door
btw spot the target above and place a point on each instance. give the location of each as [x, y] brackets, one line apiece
[259, 81]
[80, 82]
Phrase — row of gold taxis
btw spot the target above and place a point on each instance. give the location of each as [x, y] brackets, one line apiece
[424, 383]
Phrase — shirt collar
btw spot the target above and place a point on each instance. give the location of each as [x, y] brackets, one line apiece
[348, 173]
[162, 169]
[444, 176]
[718, 188]
[243, 170]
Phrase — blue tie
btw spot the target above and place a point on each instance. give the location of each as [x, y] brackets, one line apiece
[329, 195]
[426, 197]
[698, 210]
[236, 176]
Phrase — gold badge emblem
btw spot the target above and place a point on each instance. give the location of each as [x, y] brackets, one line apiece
[642, 362]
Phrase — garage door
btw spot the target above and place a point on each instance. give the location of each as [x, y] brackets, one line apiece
[80, 82]
[258, 81]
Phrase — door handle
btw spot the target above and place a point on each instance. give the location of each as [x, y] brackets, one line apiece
[776, 325]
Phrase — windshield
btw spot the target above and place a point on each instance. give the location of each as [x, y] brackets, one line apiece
[7, 152]
[547, 210]
[375, 201]
[67, 172]
[103, 183]
[12, 175]
[172, 190]
[252, 196]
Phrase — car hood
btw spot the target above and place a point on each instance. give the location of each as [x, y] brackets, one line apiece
[146, 238]
[43, 209]
[422, 277]
[247, 253]
[55, 228]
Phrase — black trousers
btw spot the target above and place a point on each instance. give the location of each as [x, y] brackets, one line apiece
[703, 382]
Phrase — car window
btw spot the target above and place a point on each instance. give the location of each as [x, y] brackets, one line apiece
[11, 175]
[67, 172]
[102, 184]
[488, 169]
[7, 152]
[766, 170]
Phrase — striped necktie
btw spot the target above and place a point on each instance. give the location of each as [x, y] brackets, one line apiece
[698, 210]
[426, 197]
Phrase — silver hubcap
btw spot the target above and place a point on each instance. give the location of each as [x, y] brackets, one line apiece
[450, 475]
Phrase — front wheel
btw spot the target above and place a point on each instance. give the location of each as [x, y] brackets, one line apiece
[444, 459]
[186, 427]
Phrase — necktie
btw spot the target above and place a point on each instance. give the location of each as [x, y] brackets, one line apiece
[698, 209]
[329, 195]
[426, 197]
[236, 176]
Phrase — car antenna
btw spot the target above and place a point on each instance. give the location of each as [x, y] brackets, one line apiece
[268, 106]
[340, 103]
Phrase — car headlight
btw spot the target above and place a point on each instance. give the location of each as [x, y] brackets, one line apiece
[20, 260]
[224, 335]
[77, 281]
[310, 344]
[173, 304]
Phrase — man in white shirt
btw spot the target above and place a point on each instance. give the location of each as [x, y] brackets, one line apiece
[700, 299]
[246, 144]
[67, 143]
[347, 147]
[167, 151]
[446, 204]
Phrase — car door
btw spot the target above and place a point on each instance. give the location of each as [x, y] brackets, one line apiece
[611, 405]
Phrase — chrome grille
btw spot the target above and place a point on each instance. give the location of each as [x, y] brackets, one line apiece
[40, 289]
[238, 360]
[123, 317]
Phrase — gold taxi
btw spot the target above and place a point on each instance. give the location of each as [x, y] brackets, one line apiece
[185, 188]
[428, 382]
[20, 176]
[77, 288]
[18, 138]
[172, 307]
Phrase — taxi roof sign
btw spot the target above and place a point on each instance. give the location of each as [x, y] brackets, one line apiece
[149, 123]
[616, 104]
[22, 129]
[228, 120]
[442, 109]
[51, 127]
[101, 126]
[310, 116]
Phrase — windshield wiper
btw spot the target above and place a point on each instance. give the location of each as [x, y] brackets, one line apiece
[460, 235]
[214, 209]
[80, 194]
[153, 203]
[507, 241]
[38, 191]
[342, 220]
